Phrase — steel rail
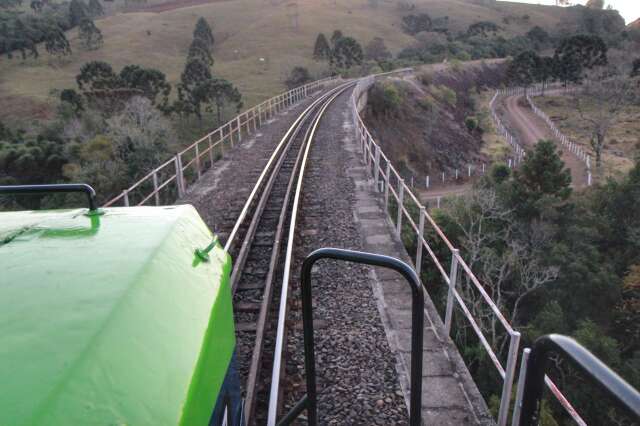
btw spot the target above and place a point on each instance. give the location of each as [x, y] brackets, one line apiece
[277, 357]
[276, 153]
[258, 348]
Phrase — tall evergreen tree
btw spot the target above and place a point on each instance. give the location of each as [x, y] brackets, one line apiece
[522, 69]
[199, 50]
[203, 32]
[90, 35]
[587, 51]
[321, 50]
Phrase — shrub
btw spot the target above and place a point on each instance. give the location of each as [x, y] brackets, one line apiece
[425, 78]
[448, 95]
[471, 122]
[385, 99]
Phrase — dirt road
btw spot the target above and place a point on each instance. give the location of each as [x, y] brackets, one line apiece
[529, 129]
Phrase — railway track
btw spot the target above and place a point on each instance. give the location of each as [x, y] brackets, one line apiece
[261, 244]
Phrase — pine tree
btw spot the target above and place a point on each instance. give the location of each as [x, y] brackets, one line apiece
[218, 92]
[199, 50]
[90, 35]
[203, 32]
[522, 69]
[95, 8]
[321, 50]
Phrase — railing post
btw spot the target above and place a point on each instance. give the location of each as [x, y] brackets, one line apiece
[155, 187]
[198, 169]
[453, 282]
[400, 206]
[210, 151]
[125, 195]
[260, 115]
[517, 406]
[420, 238]
[240, 129]
[179, 175]
[377, 166]
[509, 375]
[386, 188]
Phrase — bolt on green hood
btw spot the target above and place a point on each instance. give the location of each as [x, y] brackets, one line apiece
[111, 319]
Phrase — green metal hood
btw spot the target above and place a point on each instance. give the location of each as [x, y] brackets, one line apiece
[110, 319]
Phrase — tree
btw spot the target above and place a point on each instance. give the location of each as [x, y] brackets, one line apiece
[544, 71]
[90, 35]
[337, 35]
[36, 6]
[95, 8]
[599, 105]
[203, 32]
[522, 69]
[413, 24]
[195, 72]
[56, 42]
[346, 53]
[147, 82]
[200, 51]
[539, 36]
[482, 28]
[541, 179]
[218, 93]
[587, 51]
[321, 50]
[298, 77]
[77, 12]
[140, 135]
[376, 50]
[10, 4]
[96, 76]
[72, 98]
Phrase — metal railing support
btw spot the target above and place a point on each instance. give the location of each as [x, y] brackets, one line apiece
[377, 167]
[423, 214]
[155, 187]
[386, 188]
[509, 375]
[125, 197]
[179, 175]
[517, 406]
[587, 363]
[453, 282]
[198, 166]
[400, 207]
[310, 400]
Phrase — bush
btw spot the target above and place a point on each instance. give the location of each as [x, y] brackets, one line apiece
[425, 78]
[385, 99]
[448, 95]
[298, 77]
[471, 122]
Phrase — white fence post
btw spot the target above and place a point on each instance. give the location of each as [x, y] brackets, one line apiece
[453, 278]
[210, 151]
[125, 195]
[377, 166]
[199, 170]
[239, 129]
[179, 175]
[509, 374]
[386, 188]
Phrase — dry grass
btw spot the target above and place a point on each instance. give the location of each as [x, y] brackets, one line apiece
[493, 144]
[245, 30]
[623, 139]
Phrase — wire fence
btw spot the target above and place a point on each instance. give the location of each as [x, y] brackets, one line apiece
[170, 180]
[394, 189]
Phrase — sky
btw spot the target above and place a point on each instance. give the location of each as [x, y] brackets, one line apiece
[629, 9]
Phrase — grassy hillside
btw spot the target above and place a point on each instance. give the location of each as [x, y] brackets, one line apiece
[245, 31]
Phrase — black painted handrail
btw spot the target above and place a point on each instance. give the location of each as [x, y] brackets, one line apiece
[612, 384]
[310, 400]
[45, 189]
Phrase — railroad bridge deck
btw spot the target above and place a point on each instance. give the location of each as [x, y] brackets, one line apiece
[450, 397]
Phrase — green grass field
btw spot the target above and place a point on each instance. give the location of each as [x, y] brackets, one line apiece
[245, 31]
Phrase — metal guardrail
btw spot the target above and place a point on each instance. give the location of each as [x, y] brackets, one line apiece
[384, 174]
[201, 154]
[529, 396]
[309, 401]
